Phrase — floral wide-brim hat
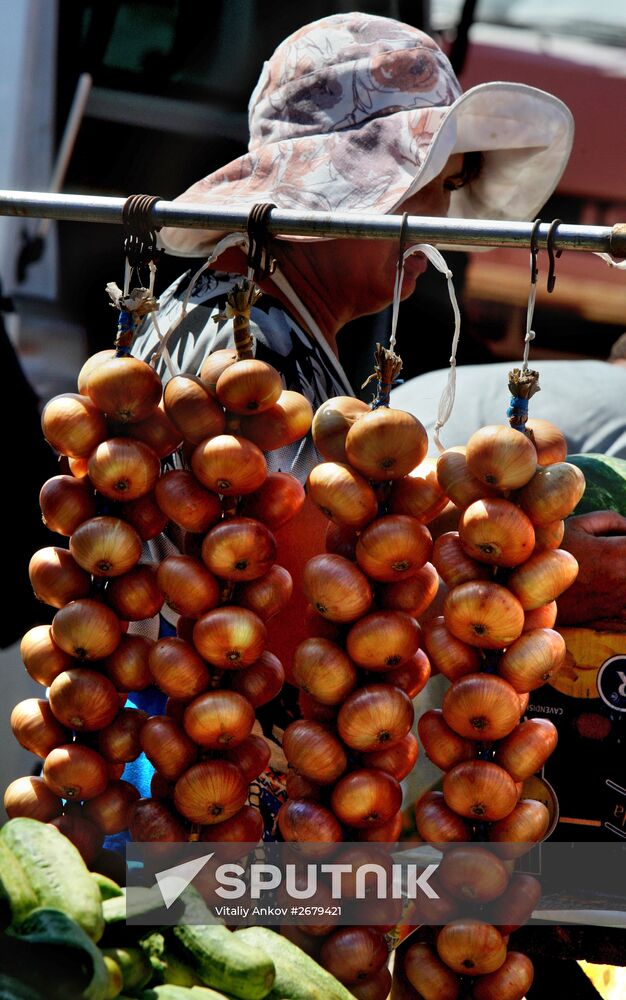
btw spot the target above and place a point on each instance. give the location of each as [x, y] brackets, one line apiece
[356, 112]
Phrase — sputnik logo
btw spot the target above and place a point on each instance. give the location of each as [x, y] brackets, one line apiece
[172, 882]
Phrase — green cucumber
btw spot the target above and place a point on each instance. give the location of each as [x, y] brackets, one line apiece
[135, 966]
[107, 887]
[298, 976]
[168, 992]
[48, 869]
[224, 962]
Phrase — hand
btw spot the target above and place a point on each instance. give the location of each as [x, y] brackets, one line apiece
[598, 595]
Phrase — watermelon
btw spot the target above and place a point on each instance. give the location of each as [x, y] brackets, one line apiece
[605, 477]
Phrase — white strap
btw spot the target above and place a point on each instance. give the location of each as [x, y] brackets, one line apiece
[606, 257]
[446, 401]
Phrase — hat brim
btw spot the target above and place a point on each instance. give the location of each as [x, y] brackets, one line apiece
[525, 135]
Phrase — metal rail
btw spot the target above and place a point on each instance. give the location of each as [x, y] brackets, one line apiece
[453, 232]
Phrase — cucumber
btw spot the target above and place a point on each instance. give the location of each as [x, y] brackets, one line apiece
[298, 976]
[107, 887]
[134, 964]
[169, 992]
[222, 961]
[48, 868]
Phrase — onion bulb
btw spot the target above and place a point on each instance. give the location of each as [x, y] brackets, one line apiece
[323, 670]
[83, 699]
[125, 388]
[229, 465]
[314, 752]
[286, 421]
[192, 408]
[510, 982]
[428, 975]
[65, 503]
[72, 425]
[447, 654]
[210, 792]
[276, 502]
[366, 797]
[543, 577]
[496, 532]
[484, 614]
[187, 586]
[413, 595]
[56, 578]
[552, 493]
[375, 717]
[239, 549]
[336, 588]
[419, 493]
[106, 546]
[230, 637]
[331, 423]
[30, 796]
[526, 749]
[386, 444]
[470, 947]
[383, 640]
[75, 772]
[342, 494]
[219, 719]
[36, 728]
[480, 790]
[442, 745]
[500, 456]
[123, 469]
[533, 659]
[393, 548]
[481, 707]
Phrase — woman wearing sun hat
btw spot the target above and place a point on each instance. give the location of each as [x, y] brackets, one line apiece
[351, 112]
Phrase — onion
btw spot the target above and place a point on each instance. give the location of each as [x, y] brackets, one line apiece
[318, 627]
[210, 792]
[177, 669]
[398, 760]
[120, 742]
[526, 825]
[251, 756]
[470, 947]
[342, 494]
[484, 614]
[82, 833]
[500, 456]
[268, 594]
[106, 546]
[185, 501]
[496, 532]
[442, 745]
[428, 975]
[145, 515]
[192, 408]
[125, 388]
[516, 905]
[245, 827]
[311, 708]
[411, 676]
[375, 987]
[393, 547]
[366, 797]
[323, 670]
[151, 821]
[383, 640]
[299, 787]
[543, 577]
[75, 772]
[341, 541]
[83, 699]
[303, 821]
[229, 465]
[219, 719]
[167, 747]
[56, 578]
[543, 617]
[248, 386]
[352, 954]
[481, 707]
[157, 431]
[261, 682]
[447, 654]
[230, 637]
[276, 502]
[35, 727]
[314, 752]
[413, 595]
[331, 423]
[187, 586]
[457, 481]
[43, 659]
[533, 659]
[336, 588]
[91, 363]
[552, 493]
[549, 441]
[437, 824]
[419, 493]
[72, 425]
[109, 810]
[549, 536]
[510, 982]
[473, 873]
[453, 563]
[387, 833]
[375, 717]
[213, 366]
[287, 421]
[30, 796]
[123, 469]
[65, 503]
[478, 789]
[239, 549]
[136, 595]
[527, 748]
[386, 444]
[127, 666]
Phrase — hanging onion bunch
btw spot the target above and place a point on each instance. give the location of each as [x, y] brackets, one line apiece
[142, 456]
[495, 642]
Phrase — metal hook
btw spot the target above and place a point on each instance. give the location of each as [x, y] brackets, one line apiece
[402, 245]
[534, 250]
[552, 253]
[140, 244]
[260, 260]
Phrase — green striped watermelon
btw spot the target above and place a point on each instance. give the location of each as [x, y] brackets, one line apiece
[605, 477]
